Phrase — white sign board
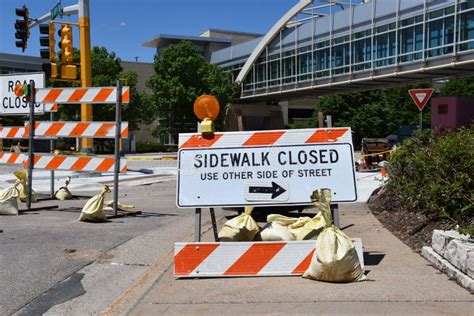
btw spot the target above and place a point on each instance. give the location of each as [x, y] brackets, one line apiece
[279, 174]
[10, 103]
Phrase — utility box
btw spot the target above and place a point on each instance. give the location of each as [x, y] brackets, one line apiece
[452, 112]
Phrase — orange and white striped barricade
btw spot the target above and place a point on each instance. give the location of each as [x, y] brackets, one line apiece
[76, 163]
[12, 158]
[12, 133]
[259, 168]
[230, 259]
[91, 95]
[78, 129]
[51, 107]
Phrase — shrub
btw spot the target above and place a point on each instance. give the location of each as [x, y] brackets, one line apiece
[155, 147]
[434, 173]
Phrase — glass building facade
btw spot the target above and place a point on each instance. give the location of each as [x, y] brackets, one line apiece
[294, 59]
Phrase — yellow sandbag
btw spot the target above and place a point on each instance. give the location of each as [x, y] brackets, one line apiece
[308, 230]
[283, 220]
[303, 228]
[335, 258]
[9, 201]
[63, 193]
[21, 175]
[240, 228]
[110, 204]
[93, 210]
[274, 232]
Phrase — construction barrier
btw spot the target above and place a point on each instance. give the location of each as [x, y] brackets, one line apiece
[271, 138]
[46, 129]
[230, 259]
[51, 107]
[92, 95]
[12, 158]
[50, 98]
[12, 133]
[78, 129]
[259, 168]
[74, 163]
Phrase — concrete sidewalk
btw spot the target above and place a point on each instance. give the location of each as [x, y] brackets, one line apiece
[400, 282]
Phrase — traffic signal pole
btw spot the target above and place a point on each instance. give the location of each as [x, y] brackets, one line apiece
[86, 68]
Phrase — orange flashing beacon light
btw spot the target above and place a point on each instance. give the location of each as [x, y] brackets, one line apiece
[207, 108]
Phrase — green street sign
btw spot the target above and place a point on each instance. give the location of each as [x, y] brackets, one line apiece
[57, 10]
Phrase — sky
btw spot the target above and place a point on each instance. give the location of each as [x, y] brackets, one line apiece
[123, 26]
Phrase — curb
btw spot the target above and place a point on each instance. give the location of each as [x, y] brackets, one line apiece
[445, 266]
[132, 296]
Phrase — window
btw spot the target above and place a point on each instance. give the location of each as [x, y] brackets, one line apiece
[288, 69]
[435, 37]
[274, 72]
[467, 31]
[442, 109]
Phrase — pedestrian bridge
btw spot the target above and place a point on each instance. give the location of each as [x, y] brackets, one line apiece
[328, 46]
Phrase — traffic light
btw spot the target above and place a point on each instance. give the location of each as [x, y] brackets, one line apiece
[51, 68]
[68, 70]
[22, 28]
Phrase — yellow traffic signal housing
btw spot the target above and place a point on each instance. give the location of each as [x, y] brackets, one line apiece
[54, 70]
[68, 71]
[66, 44]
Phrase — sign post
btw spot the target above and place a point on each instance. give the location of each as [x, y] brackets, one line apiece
[31, 143]
[421, 97]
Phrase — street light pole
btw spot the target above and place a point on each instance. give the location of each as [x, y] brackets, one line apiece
[86, 68]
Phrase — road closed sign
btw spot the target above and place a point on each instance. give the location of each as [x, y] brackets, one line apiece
[10, 103]
[265, 168]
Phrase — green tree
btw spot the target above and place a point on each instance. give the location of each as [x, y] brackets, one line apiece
[375, 113]
[182, 75]
[458, 87]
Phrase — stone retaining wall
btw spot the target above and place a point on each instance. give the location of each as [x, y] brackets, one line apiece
[453, 254]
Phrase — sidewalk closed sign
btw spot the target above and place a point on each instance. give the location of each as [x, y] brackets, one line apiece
[10, 103]
[265, 168]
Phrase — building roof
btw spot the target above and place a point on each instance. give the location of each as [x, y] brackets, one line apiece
[230, 32]
[361, 20]
[164, 40]
[21, 61]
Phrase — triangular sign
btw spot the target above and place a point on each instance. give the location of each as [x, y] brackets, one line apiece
[421, 96]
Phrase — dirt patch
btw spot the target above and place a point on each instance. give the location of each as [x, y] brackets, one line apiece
[413, 228]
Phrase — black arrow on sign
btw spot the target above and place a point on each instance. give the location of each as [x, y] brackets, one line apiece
[275, 190]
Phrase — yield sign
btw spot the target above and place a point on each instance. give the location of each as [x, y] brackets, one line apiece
[421, 96]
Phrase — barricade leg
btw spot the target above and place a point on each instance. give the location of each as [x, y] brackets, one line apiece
[214, 224]
[197, 225]
[335, 215]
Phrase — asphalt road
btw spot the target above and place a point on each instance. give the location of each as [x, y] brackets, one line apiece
[39, 250]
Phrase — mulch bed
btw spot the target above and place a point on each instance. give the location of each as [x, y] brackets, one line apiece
[413, 228]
